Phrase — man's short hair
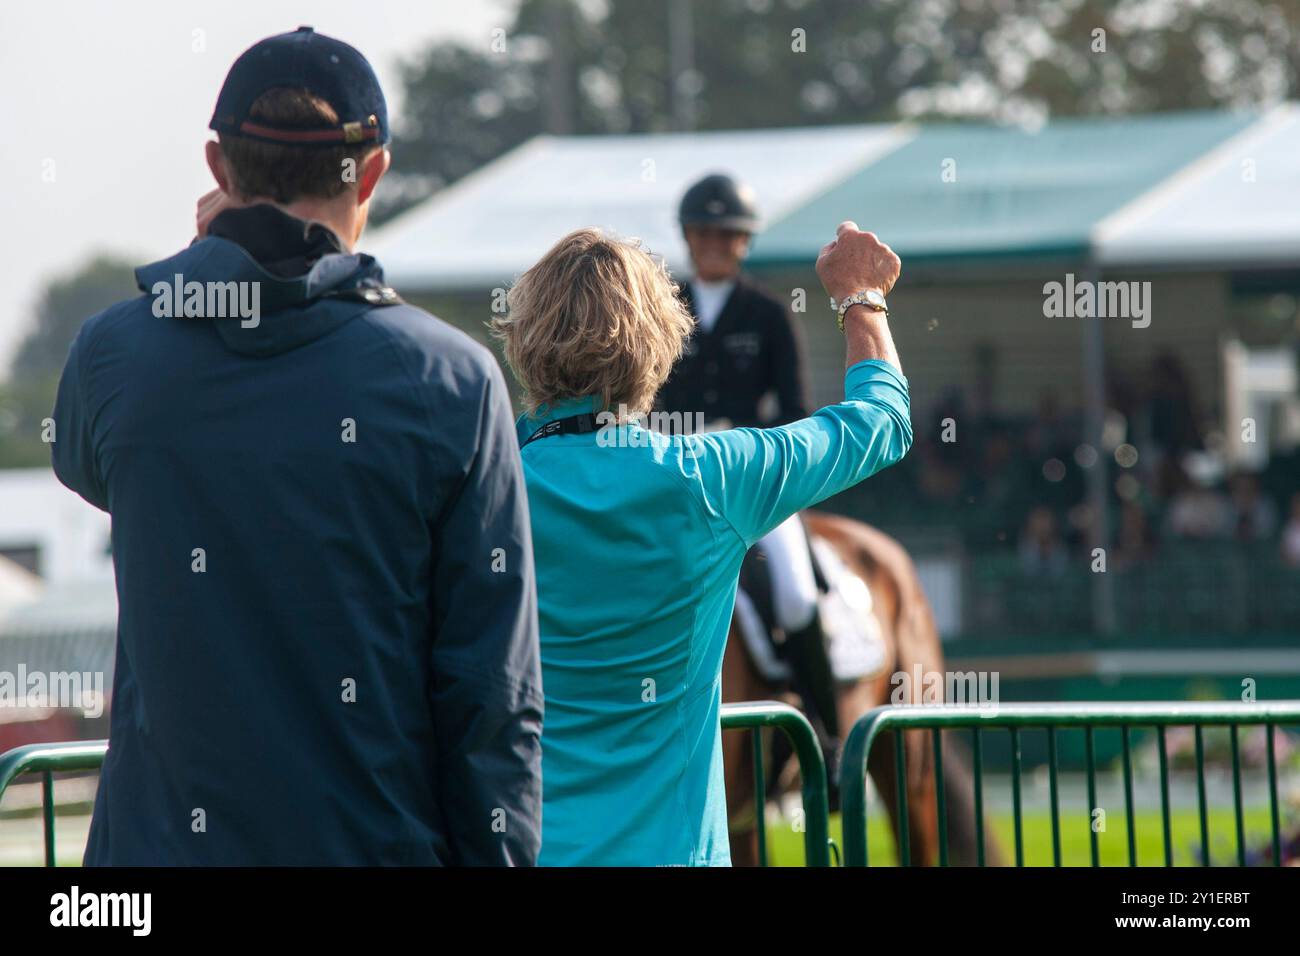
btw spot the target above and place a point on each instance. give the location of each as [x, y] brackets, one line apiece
[286, 173]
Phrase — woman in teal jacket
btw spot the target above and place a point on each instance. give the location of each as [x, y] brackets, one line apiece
[638, 537]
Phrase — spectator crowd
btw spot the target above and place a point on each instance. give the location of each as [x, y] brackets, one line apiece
[1007, 482]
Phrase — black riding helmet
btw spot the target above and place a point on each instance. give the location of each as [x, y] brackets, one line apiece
[718, 200]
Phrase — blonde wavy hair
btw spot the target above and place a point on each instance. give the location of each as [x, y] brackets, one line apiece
[596, 315]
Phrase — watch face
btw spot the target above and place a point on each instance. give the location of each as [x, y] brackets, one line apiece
[875, 298]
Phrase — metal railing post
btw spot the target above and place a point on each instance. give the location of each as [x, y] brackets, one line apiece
[1087, 717]
[755, 715]
[47, 760]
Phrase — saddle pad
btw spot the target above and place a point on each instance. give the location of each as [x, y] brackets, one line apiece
[855, 640]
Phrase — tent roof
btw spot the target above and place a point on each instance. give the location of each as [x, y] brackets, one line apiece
[1237, 205]
[1015, 194]
[1144, 190]
[492, 225]
[78, 605]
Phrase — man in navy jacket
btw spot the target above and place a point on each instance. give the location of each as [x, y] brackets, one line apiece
[327, 640]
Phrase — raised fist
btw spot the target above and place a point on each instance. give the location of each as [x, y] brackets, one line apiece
[855, 261]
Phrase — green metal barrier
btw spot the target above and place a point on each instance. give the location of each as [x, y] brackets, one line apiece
[49, 759]
[1052, 718]
[756, 715]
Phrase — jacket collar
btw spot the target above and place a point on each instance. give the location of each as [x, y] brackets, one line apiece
[276, 242]
[291, 310]
[280, 243]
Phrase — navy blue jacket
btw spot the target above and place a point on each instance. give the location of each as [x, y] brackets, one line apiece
[327, 639]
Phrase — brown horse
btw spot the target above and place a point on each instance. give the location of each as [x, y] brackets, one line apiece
[911, 641]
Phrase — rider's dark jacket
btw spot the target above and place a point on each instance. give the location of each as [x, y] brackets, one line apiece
[327, 638]
[753, 348]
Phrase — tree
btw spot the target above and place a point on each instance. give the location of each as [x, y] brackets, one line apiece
[627, 66]
[63, 306]
[1040, 58]
[28, 397]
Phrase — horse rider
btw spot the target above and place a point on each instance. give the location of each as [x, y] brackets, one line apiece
[744, 351]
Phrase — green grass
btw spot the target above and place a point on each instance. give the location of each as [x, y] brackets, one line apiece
[785, 846]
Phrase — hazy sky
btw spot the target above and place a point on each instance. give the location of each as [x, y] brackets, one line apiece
[114, 100]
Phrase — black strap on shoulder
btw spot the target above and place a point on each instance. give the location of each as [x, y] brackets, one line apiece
[573, 425]
[370, 294]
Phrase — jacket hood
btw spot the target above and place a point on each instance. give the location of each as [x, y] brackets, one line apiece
[264, 312]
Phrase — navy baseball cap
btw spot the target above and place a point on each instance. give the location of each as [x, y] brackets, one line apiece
[304, 59]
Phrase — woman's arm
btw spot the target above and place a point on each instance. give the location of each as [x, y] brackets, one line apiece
[757, 477]
[856, 261]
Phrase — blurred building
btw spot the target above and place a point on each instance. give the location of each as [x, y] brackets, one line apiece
[1167, 431]
[1201, 205]
[58, 605]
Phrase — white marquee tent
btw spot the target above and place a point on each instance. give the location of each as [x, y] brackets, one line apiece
[492, 225]
[1164, 191]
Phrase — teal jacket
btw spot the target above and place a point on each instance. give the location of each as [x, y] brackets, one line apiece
[638, 539]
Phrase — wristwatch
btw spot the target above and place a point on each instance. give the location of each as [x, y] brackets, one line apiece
[871, 298]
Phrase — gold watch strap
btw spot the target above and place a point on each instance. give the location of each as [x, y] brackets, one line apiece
[848, 302]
